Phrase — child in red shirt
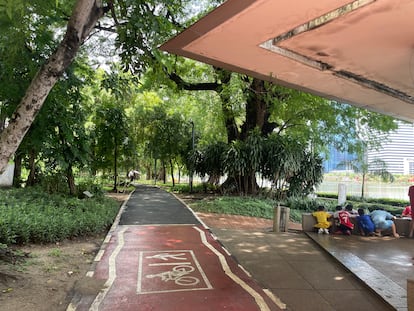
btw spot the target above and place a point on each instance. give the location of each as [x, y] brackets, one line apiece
[343, 221]
[407, 211]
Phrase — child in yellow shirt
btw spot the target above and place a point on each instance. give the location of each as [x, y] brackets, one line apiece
[322, 222]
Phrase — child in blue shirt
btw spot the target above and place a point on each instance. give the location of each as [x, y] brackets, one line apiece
[383, 221]
[365, 224]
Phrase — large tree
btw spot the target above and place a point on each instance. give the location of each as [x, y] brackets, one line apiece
[139, 27]
[84, 17]
[249, 104]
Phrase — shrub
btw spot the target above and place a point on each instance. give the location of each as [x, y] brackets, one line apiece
[92, 186]
[309, 205]
[31, 215]
[54, 183]
[246, 206]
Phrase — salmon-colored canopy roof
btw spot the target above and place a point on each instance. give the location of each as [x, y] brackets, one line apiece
[359, 52]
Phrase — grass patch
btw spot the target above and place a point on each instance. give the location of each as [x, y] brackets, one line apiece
[55, 252]
[245, 206]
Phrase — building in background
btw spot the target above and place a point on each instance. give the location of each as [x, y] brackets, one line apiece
[335, 159]
[397, 151]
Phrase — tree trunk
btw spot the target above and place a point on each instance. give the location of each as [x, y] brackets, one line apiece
[71, 180]
[17, 174]
[257, 115]
[84, 17]
[164, 172]
[172, 172]
[242, 184]
[148, 172]
[115, 189]
[31, 179]
[257, 110]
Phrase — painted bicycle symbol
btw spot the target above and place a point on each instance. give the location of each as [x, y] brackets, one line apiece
[178, 274]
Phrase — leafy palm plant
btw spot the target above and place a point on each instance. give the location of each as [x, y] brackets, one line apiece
[376, 167]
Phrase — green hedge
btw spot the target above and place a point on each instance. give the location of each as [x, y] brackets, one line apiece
[33, 216]
[394, 206]
[384, 201]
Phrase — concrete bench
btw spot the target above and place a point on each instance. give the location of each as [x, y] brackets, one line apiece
[308, 221]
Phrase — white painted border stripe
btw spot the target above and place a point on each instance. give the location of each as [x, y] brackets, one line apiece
[112, 271]
[73, 306]
[257, 297]
[245, 271]
[191, 210]
[139, 281]
[107, 238]
[226, 251]
[100, 254]
[275, 299]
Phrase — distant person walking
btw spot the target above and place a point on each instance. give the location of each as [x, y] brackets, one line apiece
[132, 175]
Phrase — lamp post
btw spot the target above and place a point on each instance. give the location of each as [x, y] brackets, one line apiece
[192, 157]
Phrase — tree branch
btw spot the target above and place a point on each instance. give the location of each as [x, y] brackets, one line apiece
[203, 86]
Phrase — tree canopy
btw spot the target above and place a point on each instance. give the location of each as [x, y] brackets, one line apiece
[122, 102]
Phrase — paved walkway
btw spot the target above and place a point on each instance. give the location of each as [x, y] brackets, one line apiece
[158, 256]
[256, 270]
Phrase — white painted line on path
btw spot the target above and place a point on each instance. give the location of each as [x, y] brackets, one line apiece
[257, 297]
[112, 271]
[275, 299]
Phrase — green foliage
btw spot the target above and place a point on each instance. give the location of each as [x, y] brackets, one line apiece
[54, 183]
[308, 205]
[384, 201]
[150, 23]
[246, 206]
[55, 252]
[310, 174]
[32, 216]
[197, 188]
[209, 159]
[296, 215]
[373, 206]
[244, 157]
[259, 207]
[286, 163]
[327, 195]
[92, 185]
[387, 201]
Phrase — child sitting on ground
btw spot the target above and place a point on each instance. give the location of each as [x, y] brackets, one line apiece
[365, 224]
[322, 222]
[343, 221]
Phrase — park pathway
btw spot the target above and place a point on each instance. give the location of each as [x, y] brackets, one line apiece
[159, 256]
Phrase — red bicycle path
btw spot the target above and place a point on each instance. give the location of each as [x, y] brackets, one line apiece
[168, 266]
